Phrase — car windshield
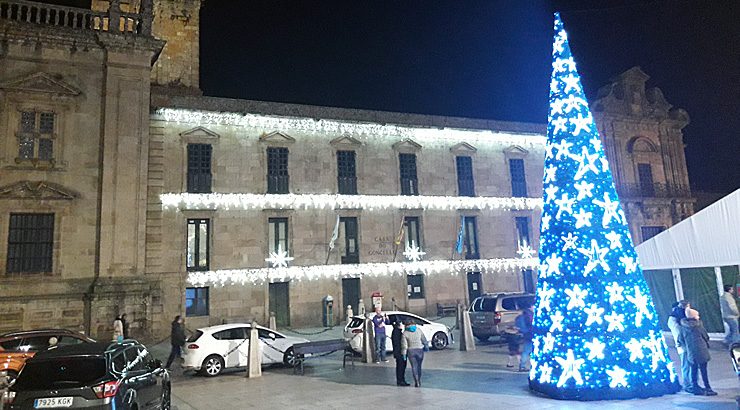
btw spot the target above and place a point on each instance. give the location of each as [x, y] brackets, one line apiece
[195, 336]
[66, 372]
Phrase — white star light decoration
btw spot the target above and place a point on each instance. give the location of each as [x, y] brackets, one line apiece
[615, 292]
[595, 349]
[594, 313]
[640, 301]
[615, 322]
[279, 259]
[595, 257]
[413, 252]
[576, 297]
[571, 368]
[618, 377]
[525, 251]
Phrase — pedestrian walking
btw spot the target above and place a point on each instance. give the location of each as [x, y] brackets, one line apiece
[118, 329]
[125, 324]
[730, 314]
[513, 341]
[177, 339]
[413, 346]
[396, 337]
[379, 321]
[678, 312]
[524, 324]
[695, 339]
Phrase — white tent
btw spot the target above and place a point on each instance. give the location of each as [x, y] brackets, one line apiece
[694, 258]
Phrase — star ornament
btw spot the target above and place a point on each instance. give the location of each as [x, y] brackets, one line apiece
[584, 189]
[569, 241]
[413, 252]
[571, 83]
[615, 322]
[279, 259]
[586, 162]
[594, 313]
[641, 304]
[560, 125]
[525, 251]
[550, 173]
[610, 210]
[617, 376]
[550, 192]
[545, 373]
[548, 343]
[595, 349]
[615, 293]
[571, 369]
[557, 322]
[615, 240]
[575, 297]
[635, 349]
[552, 265]
[546, 221]
[583, 218]
[581, 123]
[595, 257]
[563, 148]
[545, 294]
[564, 204]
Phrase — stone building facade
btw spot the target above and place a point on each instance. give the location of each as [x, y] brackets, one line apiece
[122, 189]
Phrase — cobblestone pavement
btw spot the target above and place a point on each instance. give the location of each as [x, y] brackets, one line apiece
[451, 380]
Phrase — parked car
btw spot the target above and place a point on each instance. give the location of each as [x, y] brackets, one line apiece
[491, 314]
[212, 349]
[91, 375]
[438, 335]
[17, 347]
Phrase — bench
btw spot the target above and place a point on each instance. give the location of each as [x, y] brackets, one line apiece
[446, 309]
[321, 347]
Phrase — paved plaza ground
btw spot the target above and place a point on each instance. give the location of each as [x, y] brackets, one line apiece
[451, 380]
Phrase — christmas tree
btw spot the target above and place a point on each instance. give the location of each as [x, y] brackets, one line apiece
[596, 331]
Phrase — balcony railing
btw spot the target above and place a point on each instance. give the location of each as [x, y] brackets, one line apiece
[656, 190]
[277, 184]
[113, 21]
[347, 185]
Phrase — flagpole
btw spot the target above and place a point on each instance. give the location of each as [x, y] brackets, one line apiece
[334, 236]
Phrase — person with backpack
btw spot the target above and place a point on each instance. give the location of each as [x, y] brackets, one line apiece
[523, 323]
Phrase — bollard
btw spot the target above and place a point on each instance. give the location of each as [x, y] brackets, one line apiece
[467, 343]
[368, 341]
[254, 358]
[361, 307]
[273, 324]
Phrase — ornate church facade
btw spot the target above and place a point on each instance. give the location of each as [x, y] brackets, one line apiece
[123, 189]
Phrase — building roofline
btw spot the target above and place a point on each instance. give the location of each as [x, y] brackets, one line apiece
[218, 104]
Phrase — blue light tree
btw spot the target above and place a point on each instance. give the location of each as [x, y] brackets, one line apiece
[596, 331]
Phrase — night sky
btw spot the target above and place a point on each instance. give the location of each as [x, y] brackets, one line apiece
[488, 59]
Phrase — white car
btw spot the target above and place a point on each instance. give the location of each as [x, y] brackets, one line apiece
[438, 335]
[210, 350]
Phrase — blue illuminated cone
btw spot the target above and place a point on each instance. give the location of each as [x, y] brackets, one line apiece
[596, 331]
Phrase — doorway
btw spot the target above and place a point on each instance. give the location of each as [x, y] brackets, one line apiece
[474, 285]
[351, 293]
[280, 303]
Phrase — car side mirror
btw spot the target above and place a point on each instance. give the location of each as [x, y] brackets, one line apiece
[155, 364]
[272, 335]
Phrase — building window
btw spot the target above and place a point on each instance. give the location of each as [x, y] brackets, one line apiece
[413, 235]
[471, 238]
[198, 244]
[522, 231]
[346, 173]
[518, 179]
[196, 301]
[645, 174]
[277, 234]
[277, 170]
[351, 240]
[465, 184]
[30, 243]
[199, 168]
[415, 285]
[36, 136]
[409, 183]
[650, 231]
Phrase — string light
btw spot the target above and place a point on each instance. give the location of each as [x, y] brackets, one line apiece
[224, 201]
[280, 274]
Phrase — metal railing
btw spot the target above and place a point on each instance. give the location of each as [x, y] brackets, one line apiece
[655, 190]
[113, 21]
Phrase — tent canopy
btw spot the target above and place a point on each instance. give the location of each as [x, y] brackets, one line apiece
[710, 237]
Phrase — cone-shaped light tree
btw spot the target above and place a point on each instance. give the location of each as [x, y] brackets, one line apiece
[596, 330]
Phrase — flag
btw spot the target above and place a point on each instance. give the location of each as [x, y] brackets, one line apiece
[459, 244]
[334, 235]
[401, 230]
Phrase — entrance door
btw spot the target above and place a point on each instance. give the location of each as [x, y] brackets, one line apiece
[280, 303]
[351, 293]
[474, 285]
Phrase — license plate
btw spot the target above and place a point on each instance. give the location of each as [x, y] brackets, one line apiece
[51, 402]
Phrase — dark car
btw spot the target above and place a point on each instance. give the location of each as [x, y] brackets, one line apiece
[91, 375]
[17, 347]
[491, 314]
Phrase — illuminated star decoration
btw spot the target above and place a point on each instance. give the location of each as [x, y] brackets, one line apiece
[575, 297]
[583, 218]
[630, 264]
[584, 189]
[615, 322]
[564, 204]
[545, 373]
[595, 349]
[571, 368]
[413, 252]
[618, 377]
[563, 149]
[550, 192]
[635, 349]
[615, 292]
[552, 265]
[610, 210]
[615, 240]
[587, 162]
[640, 301]
[550, 174]
[279, 259]
[569, 241]
[546, 221]
[594, 313]
[549, 342]
[557, 322]
[595, 257]
[545, 294]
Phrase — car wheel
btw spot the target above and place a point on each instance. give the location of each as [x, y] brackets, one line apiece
[289, 358]
[167, 397]
[439, 341]
[213, 365]
[483, 338]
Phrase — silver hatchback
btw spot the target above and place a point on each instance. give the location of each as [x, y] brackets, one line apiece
[491, 314]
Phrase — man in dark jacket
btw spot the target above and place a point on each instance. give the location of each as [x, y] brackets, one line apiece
[177, 339]
[400, 360]
[695, 340]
